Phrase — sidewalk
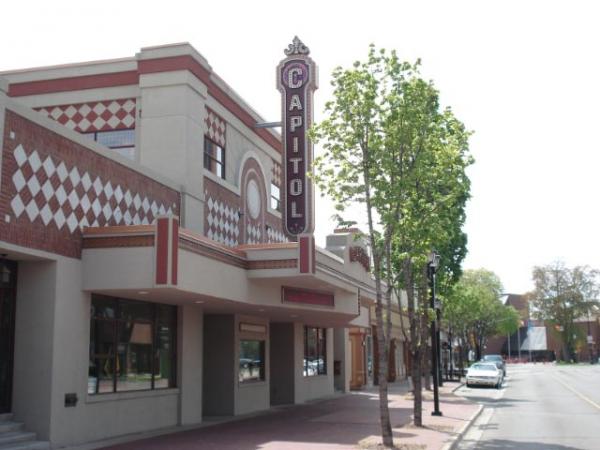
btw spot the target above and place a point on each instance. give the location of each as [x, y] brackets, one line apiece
[346, 421]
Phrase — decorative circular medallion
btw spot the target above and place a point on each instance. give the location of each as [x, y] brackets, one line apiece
[253, 202]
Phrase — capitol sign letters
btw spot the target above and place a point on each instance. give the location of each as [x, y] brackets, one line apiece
[297, 80]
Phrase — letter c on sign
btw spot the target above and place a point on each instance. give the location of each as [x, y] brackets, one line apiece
[295, 78]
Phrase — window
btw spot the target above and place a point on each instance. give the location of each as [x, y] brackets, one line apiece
[252, 361]
[121, 141]
[275, 197]
[315, 351]
[132, 345]
[214, 158]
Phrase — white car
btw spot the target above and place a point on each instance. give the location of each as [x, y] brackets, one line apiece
[485, 374]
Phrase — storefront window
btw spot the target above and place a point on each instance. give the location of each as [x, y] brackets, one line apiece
[132, 345]
[315, 351]
[252, 361]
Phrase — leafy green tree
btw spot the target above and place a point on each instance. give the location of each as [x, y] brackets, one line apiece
[475, 312]
[352, 138]
[562, 295]
[390, 148]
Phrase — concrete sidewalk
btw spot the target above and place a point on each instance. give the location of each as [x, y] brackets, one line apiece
[347, 421]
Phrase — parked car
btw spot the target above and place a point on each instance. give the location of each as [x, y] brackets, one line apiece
[498, 360]
[485, 374]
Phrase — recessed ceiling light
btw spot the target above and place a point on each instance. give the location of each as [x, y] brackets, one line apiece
[143, 292]
[199, 301]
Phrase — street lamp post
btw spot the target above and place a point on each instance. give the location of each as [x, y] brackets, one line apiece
[434, 260]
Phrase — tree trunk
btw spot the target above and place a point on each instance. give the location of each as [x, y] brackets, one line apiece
[427, 370]
[384, 413]
[417, 389]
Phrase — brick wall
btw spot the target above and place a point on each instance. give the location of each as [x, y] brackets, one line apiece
[52, 187]
[226, 216]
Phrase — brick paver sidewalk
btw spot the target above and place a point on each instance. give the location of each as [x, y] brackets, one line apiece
[343, 422]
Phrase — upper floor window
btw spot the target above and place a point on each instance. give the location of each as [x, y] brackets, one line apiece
[275, 197]
[121, 141]
[214, 158]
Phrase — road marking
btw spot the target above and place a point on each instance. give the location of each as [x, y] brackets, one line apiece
[577, 393]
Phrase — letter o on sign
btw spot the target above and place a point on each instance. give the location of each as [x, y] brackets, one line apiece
[296, 186]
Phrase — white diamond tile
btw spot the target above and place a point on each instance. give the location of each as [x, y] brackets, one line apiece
[118, 194]
[99, 108]
[33, 185]
[49, 167]
[107, 211]
[70, 111]
[108, 190]
[34, 161]
[98, 185]
[72, 222]
[32, 210]
[20, 155]
[61, 195]
[96, 207]
[46, 214]
[73, 199]
[62, 172]
[17, 205]
[59, 219]
[19, 180]
[86, 182]
[74, 176]
[85, 203]
[47, 190]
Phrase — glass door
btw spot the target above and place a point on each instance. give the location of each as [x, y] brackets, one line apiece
[8, 270]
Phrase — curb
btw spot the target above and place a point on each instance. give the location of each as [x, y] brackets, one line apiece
[458, 437]
[457, 387]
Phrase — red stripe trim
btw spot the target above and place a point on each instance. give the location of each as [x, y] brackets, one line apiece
[304, 255]
[162, 250]
[73, 83]
[174, 251]
[314, 254]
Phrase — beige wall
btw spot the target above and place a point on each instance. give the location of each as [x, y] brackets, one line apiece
[32, 385]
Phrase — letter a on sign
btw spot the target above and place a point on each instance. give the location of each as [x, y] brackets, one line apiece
[297, 81]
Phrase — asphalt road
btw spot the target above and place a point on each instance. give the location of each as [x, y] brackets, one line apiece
[540, 407]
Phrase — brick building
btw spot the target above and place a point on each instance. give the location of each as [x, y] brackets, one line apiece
[147, 281]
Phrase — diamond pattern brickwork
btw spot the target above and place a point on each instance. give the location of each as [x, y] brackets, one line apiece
[221, 214]
[215, 127]
[94, 116]
[52, 187]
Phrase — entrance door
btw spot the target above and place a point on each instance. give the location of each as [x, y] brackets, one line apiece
[8, 269]
[357, 378]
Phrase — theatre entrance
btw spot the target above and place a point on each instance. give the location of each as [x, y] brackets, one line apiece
[8, 270]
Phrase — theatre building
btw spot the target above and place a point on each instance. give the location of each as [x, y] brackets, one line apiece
[157, 263]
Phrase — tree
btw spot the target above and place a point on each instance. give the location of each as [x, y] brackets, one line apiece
[475, 312]
[561, 295]
[352, 137]
[389, 147]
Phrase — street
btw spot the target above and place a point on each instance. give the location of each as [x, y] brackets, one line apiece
[540, 406]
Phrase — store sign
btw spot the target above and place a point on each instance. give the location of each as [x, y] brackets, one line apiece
[297, 81]
[307, 297]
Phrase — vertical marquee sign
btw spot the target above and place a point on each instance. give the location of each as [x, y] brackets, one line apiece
[297, 81]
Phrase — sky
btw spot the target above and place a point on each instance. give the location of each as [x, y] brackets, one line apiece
[524, 76]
